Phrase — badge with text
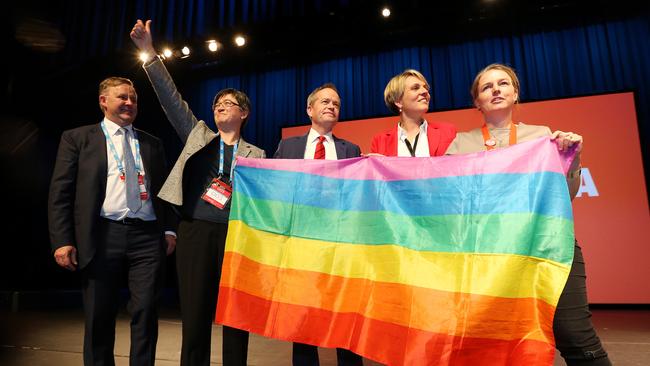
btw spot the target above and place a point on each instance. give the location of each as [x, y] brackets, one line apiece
[218, 193]
[143, 189]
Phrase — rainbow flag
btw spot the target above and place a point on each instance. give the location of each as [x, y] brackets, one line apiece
[456, 260]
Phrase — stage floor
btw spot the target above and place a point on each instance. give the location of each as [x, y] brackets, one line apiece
[55, 338]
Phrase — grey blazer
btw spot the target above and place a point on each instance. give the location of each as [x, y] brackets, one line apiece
[194, 133]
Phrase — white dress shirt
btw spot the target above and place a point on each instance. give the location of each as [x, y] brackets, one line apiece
[312, 140]
[114, 206]
[421, 150]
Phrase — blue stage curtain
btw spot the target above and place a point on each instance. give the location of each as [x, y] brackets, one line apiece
[607, 57]
[585, 59]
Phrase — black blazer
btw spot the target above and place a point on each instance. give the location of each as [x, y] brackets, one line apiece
[294, 148]
[78, 187]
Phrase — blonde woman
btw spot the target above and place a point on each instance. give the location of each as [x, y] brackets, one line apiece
[407, 95]
[495, 92]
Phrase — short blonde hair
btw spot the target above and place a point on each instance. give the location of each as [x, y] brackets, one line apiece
[312, 97]
[112, 82]
[496, 66]
[395, 88]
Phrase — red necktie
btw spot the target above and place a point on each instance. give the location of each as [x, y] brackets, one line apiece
[320, 148]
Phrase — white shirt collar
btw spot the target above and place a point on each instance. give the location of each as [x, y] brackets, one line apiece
[401, 133]
[113, 127]
[313, 136]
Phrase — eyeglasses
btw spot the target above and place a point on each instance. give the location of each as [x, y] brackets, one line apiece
[225, 104]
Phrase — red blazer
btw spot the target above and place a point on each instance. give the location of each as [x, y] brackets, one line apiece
[439, 134]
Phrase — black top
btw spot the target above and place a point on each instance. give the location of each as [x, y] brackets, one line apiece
[199, 171]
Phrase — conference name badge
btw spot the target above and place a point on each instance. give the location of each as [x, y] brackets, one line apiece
[218, 193]
[143, 189]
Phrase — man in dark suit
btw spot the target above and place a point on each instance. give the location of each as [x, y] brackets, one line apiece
[323, 106]
[104, 220]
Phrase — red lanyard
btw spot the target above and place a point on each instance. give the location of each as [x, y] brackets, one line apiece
[490, 143]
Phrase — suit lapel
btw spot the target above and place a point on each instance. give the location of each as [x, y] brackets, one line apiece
[145, 154]
[97, 138]
[244, 148]
[433, 137]
[339, 144]
[391, 141]
[294, 147]
[302, 147]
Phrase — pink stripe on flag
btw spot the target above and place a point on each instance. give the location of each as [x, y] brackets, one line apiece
[527, 157]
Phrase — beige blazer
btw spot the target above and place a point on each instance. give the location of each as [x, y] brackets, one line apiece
[193, 132]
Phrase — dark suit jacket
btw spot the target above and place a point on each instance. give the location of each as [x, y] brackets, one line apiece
[439, 135]
[294, 148]
[78, 187]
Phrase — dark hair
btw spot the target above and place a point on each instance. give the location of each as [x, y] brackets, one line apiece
[240, 97]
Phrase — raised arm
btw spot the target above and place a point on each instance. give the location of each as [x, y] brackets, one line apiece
[178, 112]
[141, 37]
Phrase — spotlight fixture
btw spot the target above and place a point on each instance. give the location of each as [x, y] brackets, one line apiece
[143, 56]
[186, 52]
[167, 53]
[212, 45]
[385, 12]
[240, 41]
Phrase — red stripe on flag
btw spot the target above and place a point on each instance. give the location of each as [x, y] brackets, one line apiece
[384, 342]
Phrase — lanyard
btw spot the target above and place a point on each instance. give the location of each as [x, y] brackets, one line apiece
[490, 143]
[234, 156]
[415, 144]
[120, 167]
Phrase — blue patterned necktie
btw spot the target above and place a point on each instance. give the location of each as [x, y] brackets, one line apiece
[133, 201]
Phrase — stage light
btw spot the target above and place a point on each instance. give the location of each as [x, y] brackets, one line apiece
[186, 52]
[212, 45]
[144, 57]
[167, 53]
[240, 41]
[385, 12]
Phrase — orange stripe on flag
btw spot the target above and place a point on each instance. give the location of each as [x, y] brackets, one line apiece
[441, 312]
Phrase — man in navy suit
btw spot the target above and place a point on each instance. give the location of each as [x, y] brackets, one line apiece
[323, 106]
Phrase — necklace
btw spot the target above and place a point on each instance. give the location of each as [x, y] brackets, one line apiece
[490, 142]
